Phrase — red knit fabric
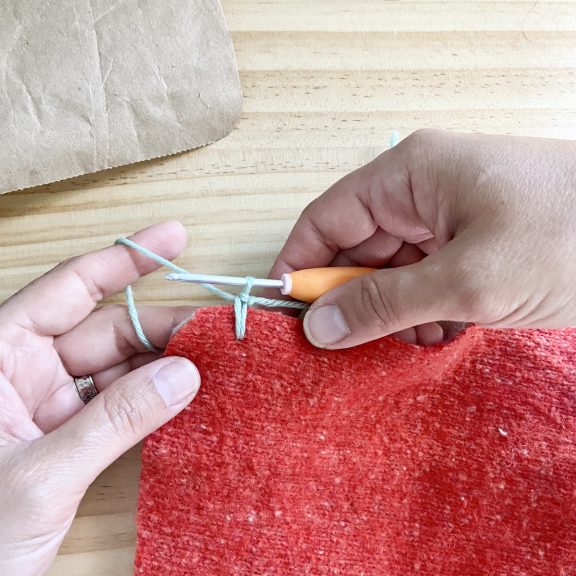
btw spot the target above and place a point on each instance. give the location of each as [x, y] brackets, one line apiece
[385, 460]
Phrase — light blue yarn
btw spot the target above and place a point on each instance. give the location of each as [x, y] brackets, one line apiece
[241, 301]
[133, 313]
[394, 139]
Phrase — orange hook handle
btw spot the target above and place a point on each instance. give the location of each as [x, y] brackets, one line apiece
[309, 284]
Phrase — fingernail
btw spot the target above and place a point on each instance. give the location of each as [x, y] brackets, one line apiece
[325, 325]
[177, 381]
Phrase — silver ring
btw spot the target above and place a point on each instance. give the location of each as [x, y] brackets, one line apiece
[86, 388]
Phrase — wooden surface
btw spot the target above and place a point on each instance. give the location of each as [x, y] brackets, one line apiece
[325, 81]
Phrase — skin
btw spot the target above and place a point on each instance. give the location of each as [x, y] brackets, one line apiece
[466, 228]
[51, 446]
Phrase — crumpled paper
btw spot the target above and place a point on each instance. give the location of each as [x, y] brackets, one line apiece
[87, 85]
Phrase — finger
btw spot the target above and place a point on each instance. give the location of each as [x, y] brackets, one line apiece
[386, 302]
[107, 337]
[408, 335]
[106, 347]
[424, 335]
[65, 402]
[375, 252]
[324, 228]
[380, 250]
[117, 419]
[408, 254]
[59, 300]
[107, 377]
[377, 195]
[429, 334]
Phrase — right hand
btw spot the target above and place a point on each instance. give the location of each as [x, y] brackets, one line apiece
[468, 228]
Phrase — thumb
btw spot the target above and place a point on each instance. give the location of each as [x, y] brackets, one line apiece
[120, 417]
[378, 304]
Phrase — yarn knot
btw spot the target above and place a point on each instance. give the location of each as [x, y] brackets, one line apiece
[241, 304]
[247, 299]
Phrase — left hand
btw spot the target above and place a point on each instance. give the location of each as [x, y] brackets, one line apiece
[51, 445]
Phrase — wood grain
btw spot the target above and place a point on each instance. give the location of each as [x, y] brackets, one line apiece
[324, 84]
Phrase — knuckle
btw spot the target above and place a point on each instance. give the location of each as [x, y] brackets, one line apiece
[86, 279]
[126, 343]
[77, 273]
[66, 263]
[423, 151]
[123, 340]
[425, 145]
[125, 414]
[425, 137]
[376, 306]
[310, 209]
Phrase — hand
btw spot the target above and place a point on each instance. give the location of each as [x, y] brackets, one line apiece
[51, 445]
[468, 228]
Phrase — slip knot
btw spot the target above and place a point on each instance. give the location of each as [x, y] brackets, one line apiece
[242, 302]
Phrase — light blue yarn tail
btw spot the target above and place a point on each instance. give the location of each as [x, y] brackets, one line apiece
[241, 301]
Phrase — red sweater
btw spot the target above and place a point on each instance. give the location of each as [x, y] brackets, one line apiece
[384, 460]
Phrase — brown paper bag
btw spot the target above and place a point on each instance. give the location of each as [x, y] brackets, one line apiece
[87, 85]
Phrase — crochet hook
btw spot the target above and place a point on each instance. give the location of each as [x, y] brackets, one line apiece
[305, 285]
